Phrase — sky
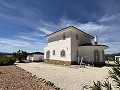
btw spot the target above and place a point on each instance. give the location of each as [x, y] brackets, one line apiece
[25, 23]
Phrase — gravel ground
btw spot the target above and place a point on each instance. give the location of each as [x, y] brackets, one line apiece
[67, 77]
[15, 78]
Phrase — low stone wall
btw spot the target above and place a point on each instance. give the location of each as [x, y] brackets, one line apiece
[59, 62]
[68, 63]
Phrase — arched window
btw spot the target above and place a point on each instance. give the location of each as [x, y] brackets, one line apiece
[62, 53]
[96, 55]
[48, 54]
[53, 52]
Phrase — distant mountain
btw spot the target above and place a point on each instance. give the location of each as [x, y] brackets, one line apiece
[36, 53]
[114, 54]
[5, 54]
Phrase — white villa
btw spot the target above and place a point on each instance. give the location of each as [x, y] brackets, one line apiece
[68, 45]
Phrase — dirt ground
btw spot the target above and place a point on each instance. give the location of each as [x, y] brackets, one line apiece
[15, 78]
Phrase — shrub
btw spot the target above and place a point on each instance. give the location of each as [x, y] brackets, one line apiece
[114, 74]
[20, 55]
[109, 58]
[6, 61]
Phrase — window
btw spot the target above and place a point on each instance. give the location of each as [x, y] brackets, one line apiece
[53, 52]
[63, 36]
[48, 54]
[96, 55]
[76, 37]
[62, 53]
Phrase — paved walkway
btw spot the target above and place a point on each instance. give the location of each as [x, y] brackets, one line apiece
[67, 78]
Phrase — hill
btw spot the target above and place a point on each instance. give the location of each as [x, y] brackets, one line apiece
[5, 54]
[113, 55]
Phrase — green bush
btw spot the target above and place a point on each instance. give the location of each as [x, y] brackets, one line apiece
[20, 55]
[6, 61]
[109, 58]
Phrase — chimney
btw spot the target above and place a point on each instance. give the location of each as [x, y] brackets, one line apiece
[96, 40]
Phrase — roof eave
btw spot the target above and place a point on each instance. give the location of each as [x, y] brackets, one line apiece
[68, 27]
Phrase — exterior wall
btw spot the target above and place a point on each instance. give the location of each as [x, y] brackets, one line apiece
[75, 43]
[29, 57]
[38, 57]
[57, 43]
[35, 57]
[89, 51]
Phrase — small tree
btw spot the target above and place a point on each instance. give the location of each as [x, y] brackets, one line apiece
[20, 55]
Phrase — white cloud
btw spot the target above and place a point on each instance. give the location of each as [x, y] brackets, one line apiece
[10, 45]
[27, 38]
[108, 18]
[91, 27]
[32, 35]
[113, 47]
[87, 27]
[47, 27]
[22, 7]
[37, 34]
[44, 30]
[14, 42]
[27, 15]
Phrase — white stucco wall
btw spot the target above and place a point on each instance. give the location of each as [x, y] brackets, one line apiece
[75, 43]
[35, 57]
[89, 51]
[57, 43]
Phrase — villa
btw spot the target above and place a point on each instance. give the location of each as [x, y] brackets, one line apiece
[68, 45]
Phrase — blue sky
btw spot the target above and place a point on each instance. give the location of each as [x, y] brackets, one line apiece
[24, 23]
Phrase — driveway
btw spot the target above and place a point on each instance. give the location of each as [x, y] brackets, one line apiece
[66, 77]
